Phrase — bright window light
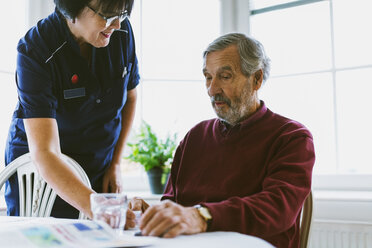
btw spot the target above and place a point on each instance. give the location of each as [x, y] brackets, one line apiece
[13, 27]
[321, 76]
[171, 37]
[295, 40]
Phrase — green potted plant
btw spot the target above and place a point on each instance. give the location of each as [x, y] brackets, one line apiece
[155, 154]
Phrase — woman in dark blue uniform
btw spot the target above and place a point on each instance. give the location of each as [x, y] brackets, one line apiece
[76, 77]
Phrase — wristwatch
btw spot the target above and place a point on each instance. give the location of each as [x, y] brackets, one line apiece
[205, 214]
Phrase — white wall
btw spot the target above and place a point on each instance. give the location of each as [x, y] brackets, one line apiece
[38, 9]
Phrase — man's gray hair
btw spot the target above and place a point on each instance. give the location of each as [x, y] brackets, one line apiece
[251, 52]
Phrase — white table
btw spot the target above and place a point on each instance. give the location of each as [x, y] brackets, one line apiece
[210, 239]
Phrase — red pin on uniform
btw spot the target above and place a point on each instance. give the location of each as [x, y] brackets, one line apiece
[74, 79]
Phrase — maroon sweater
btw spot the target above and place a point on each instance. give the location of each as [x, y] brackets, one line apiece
[254, 177]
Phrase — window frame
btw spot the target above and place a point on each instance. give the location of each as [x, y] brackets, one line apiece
[331, 181]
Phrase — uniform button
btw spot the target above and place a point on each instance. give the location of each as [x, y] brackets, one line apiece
[98, 101]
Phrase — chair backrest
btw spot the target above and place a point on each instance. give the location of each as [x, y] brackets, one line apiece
[307, 214]
[36, 197]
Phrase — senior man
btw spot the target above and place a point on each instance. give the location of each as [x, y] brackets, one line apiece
[248, 171]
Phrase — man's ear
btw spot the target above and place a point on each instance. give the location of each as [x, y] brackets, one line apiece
[258, 79]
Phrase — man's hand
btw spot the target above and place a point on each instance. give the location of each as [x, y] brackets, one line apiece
[112, 180]
[136, 204]
[170, 219]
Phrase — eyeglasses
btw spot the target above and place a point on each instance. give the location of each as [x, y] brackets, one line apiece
[109, 20]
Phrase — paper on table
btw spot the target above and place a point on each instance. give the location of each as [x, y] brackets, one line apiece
[72, 233]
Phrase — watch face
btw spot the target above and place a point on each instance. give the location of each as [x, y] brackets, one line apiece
[205, 213]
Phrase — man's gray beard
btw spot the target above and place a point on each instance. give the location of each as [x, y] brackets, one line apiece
[234, 116]
[238, 110]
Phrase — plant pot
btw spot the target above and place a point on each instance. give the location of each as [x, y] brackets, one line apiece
[155, 175]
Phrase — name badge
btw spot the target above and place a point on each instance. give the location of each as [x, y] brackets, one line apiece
[74, 93]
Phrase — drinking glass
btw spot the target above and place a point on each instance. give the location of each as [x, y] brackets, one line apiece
[110, 208]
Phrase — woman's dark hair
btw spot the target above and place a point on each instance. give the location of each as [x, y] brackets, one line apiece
[72, 8]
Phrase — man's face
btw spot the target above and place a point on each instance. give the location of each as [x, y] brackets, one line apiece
[233, 95]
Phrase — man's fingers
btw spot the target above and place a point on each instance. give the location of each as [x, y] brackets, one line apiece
[130, 224]
[164, 225]
[149, 214]
[158, 225]
[161, 221]
[174, 231]
[130, 214]
[144, 206]
[130, 219]
[135, 204]
[168, 220]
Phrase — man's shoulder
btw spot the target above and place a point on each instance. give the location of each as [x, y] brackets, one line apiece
[287, 125]
[202, 129]
[205, 125]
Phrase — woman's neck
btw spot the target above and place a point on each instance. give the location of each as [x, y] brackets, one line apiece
[85, 48]
[86, 51]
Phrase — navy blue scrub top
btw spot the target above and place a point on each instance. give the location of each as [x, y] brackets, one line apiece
[55, 81]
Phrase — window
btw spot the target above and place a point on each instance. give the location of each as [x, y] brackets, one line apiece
[321, 74]
[13, 26]
[171, 37]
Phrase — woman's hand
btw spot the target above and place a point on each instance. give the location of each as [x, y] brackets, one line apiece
[112, 180]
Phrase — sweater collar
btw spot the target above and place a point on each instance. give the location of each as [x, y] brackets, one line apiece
[260, 112]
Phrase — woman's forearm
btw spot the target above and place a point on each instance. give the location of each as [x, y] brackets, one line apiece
[43, 142]
[63, 180]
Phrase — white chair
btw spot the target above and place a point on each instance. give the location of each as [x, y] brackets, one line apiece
[307, 214]
[36, 197]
